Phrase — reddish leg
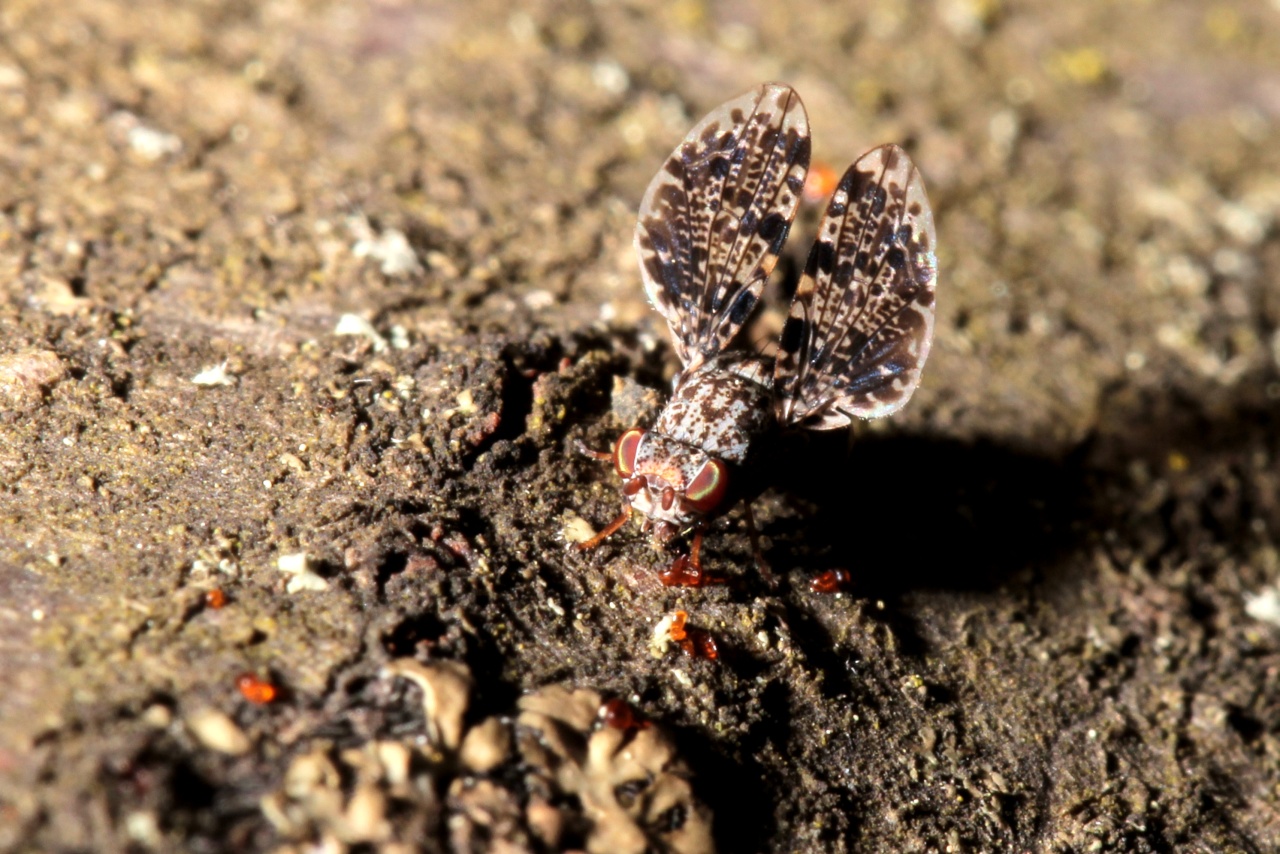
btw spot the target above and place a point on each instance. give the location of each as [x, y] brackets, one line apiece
[686, 570]
[603, 456]
[607, 532]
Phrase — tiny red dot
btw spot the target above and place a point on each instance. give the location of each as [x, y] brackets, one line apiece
[256, 690]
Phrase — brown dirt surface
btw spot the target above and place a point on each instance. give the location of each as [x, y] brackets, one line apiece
[1061, 633]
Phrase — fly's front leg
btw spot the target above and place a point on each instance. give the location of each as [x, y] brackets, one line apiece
[687, 571]
[616, 523]
[607, 532]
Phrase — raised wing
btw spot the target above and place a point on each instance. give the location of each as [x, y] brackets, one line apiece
[715, 217]
[861, 322]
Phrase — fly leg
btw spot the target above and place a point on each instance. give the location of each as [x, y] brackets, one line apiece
[607, 532]
[603, 456]
[687, 571]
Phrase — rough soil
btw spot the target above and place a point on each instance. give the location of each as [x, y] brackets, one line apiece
[1052, 640]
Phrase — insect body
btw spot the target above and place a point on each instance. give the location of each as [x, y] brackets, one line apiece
[711, 226]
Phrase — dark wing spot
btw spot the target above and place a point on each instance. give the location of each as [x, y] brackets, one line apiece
[719, 167]
[742, 308]
[877, 197]
[799, 151]
[844, 273]
[848, 180]
[835, 208]
[773, 229]
[792, 334]
[747, 226]
[821, 258]
[896, 258]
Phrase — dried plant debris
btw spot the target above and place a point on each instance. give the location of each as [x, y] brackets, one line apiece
[302, 576]
[568, 773]
[391, 249]
[217, 375]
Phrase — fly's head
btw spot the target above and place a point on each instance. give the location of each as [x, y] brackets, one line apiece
[674, 486]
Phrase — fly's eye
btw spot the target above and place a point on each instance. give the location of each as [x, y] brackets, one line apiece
[624, 452]
[707, 488]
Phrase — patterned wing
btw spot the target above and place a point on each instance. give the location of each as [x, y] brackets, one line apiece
[861, 322]
[714, 219]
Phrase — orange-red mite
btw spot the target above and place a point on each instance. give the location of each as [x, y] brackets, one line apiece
[215, 598]
[258, 691]
[831, 581]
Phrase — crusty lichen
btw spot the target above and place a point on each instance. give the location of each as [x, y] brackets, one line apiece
[571, 781]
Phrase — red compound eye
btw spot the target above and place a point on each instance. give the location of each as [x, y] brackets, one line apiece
[624, 452]
[707, 488]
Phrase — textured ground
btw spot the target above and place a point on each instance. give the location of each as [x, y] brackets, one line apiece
[1052, 642]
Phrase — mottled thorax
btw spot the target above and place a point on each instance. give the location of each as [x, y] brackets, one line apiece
[721, 406]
